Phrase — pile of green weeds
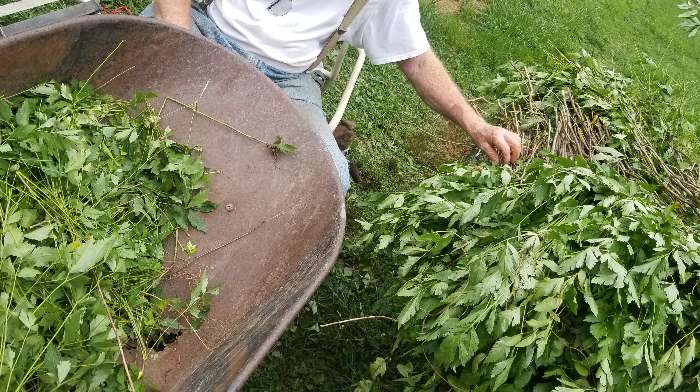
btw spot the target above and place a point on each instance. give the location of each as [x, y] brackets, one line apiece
[564, 277]
[90, 187]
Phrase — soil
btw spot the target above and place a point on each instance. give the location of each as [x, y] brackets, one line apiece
[448, 145]
[452, 7]
[448, 7]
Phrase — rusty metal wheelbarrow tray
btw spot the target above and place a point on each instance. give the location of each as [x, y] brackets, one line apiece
[280, 221]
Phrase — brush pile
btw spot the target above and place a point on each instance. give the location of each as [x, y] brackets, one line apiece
[90, 187]
[570, 273]
[580, 107]
[566, 277]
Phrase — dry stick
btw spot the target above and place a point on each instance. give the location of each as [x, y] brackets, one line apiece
[116, 76]
[196, 101]
[357, 319]
[192, 260]
[220, 122]
[239, 237]
[119, 341]
[99, 66]
[196, 333]
[531, 89]
[557, 131]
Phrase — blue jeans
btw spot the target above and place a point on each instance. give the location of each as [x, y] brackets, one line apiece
[303, 89]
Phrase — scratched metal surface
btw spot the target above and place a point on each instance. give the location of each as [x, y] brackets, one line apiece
[286, 215]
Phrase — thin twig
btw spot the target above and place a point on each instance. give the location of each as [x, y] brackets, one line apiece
[357, 319]
[119, 341]
[193, 329]
[115, 77]
[99, 66]
[220, 122]
[196, 101]
[189, 262]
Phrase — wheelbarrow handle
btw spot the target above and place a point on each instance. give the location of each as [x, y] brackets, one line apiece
[82, 8]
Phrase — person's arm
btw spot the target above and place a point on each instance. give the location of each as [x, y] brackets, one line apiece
[437, 89]
[175, 11]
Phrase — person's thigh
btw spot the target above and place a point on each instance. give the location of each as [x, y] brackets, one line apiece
[305, 94]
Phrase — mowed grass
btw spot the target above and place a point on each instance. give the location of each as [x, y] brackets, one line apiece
[402, 142]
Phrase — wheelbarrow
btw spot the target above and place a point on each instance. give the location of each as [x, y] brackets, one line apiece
[280, 219]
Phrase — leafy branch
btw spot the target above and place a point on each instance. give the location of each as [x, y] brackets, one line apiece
[690, 16]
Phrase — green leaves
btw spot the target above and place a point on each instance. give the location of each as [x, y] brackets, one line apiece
[280, 147]
[559, 278]
[604, 116]
[22, 115]
[690, 16]
[90, 253]
[40, 234]
[91, 194]
[5, 111]
[377, 368]
[62, 371]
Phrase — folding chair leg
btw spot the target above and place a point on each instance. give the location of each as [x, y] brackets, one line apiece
[345, 98]
[333, 74]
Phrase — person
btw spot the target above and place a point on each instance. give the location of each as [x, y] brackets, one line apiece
[284, 39]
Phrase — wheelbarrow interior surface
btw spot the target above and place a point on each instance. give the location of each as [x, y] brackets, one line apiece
[279, 223]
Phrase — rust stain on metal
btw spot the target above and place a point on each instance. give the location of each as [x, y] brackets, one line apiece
[285, 231]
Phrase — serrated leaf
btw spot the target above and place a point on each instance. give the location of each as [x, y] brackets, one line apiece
[365, 225]
[40, 234]
[99, 325]
[588, 298]
[27, 318]
[500, 372]
[199, 199]
[409, 310]
[505, 176]
[27, 272]
[377, 368]
[5, 111]
[22, 115]
[447, 351]
[196, 221]
[548, 304]
[384, 241]
[62, 371]
[90, 253]
[280, 147]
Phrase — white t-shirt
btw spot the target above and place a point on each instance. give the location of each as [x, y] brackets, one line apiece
[289, 34]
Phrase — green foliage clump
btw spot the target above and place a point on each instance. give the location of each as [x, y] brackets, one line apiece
[564, 276]
[572, 106]
[690, 16]
[90, 187]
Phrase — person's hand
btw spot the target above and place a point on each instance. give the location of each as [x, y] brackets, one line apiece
[500, 145]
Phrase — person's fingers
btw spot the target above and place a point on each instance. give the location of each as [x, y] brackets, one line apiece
[491, 153]
[515, 146]
[503, 148]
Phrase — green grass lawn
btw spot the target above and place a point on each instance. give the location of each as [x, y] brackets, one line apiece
[402, 142]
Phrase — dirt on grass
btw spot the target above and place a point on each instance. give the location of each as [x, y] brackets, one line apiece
[446, 145]
[448, 7]
[453, 7]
